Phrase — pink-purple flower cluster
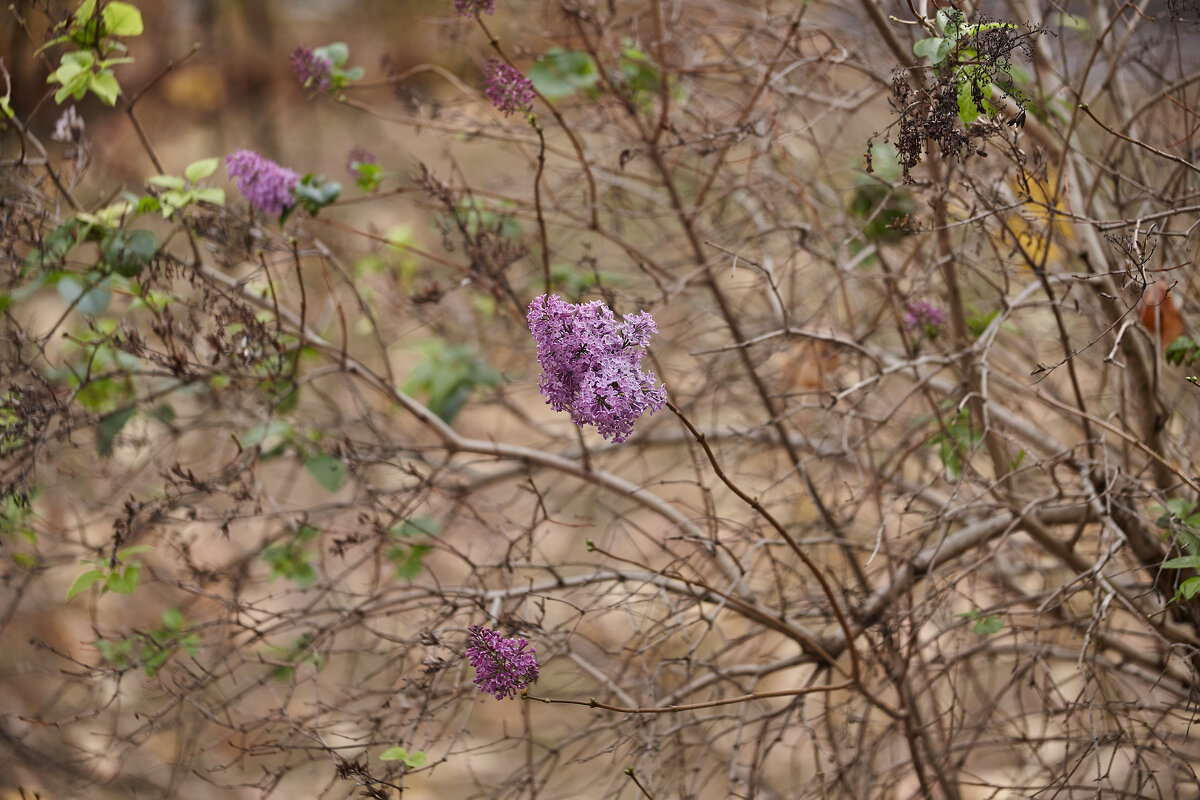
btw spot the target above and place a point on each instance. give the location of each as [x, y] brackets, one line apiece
[265, 185]
[314, 71]
[503, 666]
[507, 88]
[591, 365]
[473, 8]
[924, 316]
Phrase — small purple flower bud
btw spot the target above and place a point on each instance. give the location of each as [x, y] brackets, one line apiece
[507, 88]
[591, 365]
[473, 8]
[503, 667]
[265, 185]
[923, 315]
[314, 71]
[359, 155]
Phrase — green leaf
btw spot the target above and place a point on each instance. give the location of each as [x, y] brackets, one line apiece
[125, 581]
[168, 182]
[105, 86]
[948, 21]
[84, 582]
[1182, 351]
[934, 49]
[110, 426]
[122, 19]
[988, 625]
[214, 196]
[126, 552]
[408, 563]
[415, 759]
[199, 170]
[260, 433]
[327, 470]
[1187, 590]
[561, 72]
[173, 619]
[93, 301]
[1182, 562]
[417, 526]
[337, 52]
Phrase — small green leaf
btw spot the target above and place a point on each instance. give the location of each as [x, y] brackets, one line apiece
[561, 72]
[110, 426]
[1182, 562]
[199, 170]
[84, 582]
[168, 182]
[1182, 351]
[988, 625]
[210, 195]
[394, 754]
[935, 49]
[417, 526]
[105, 86]
[327, 470]
[337, 52]
[122, 19]
[125, 581]
[126, 552]
[173, 619]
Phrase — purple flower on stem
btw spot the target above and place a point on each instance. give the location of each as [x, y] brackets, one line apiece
[265, 185]
[473, 8]
[507, 88]
[314, 71]
[592, 366]
[924, 316]
[503, 667]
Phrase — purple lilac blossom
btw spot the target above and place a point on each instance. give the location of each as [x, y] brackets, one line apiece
[507, 88]
[265, 185]
[923, 315]
[473, 8]
[591, 365]
[503, 667]
[314, 71]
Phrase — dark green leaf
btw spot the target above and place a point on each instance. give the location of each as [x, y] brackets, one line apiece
[110, 426]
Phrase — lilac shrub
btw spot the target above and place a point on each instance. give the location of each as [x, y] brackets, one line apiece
[265, 185]
[503, 666]
[591, 365]
[507, 88]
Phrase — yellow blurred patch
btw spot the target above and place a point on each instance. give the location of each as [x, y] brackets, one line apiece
[196, 88]
[1031, 224]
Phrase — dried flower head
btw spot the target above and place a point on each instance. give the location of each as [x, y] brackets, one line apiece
[314, 71]
[503, 666]
[473, 8]
[507, 88]
[265, 185]
[591, 365]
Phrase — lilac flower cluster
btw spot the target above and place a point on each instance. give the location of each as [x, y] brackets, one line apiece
[591, 365]
[265, 185]
[503, 667]
[924, 316]
[507, 88]
[473, 8]
[314, 71]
